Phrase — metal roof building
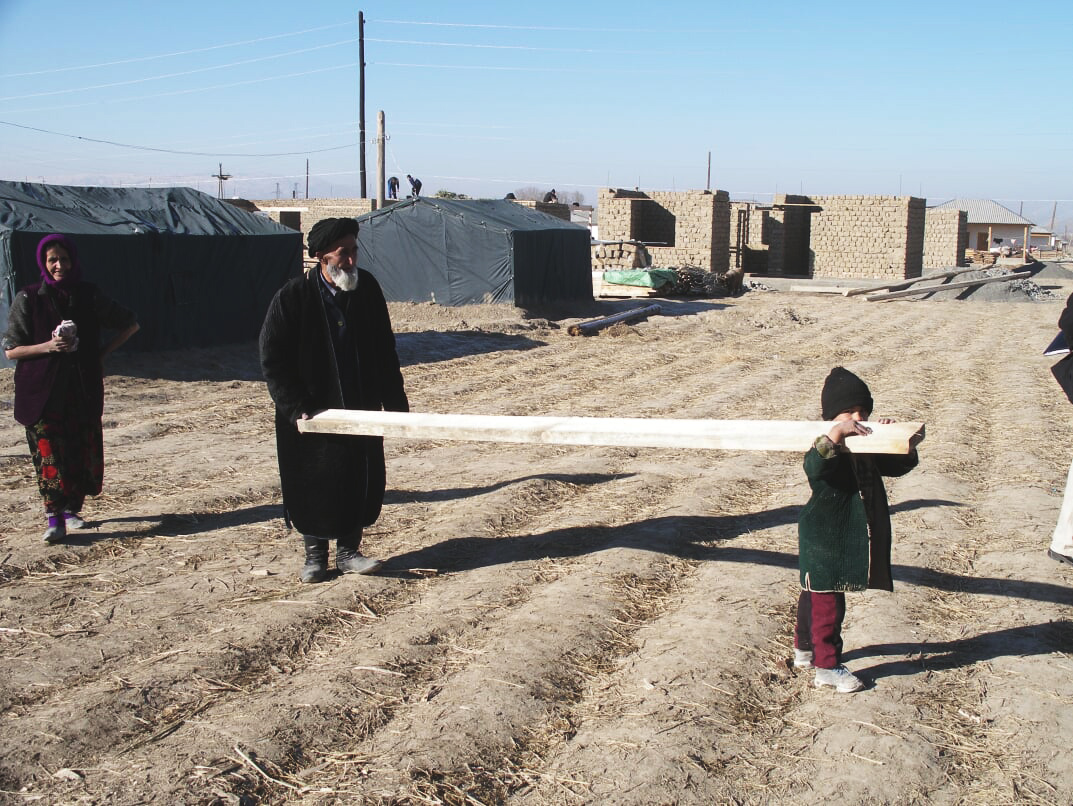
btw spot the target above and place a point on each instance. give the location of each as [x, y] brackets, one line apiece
[985, 211]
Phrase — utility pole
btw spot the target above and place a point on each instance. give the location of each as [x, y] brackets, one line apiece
[708, 186]
[307, 177]
[277, 191]
[361, 100]
[221, 177]
[380, 159]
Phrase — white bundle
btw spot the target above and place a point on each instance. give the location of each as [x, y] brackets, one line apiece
[67, 330]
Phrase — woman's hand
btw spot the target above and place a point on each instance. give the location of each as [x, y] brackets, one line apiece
[53, 345]
[60, 344]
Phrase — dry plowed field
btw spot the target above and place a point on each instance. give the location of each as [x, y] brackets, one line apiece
[555, 625]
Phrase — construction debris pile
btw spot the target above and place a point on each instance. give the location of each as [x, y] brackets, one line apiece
[696, 282]
[994, 284]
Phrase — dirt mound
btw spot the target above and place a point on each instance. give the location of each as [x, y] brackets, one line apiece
[1052, 271]
[1023, 290]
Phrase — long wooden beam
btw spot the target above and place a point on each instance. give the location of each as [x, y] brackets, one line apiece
[924, 278]
[632, 432]
[999, 278]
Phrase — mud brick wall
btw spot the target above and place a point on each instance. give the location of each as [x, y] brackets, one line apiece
[946, 234]
[754, 242]
[867, 236]
[691, 228]
[313, 210]
[556, 209]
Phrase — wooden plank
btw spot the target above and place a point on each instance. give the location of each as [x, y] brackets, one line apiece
[1005, 278]
[632, 432]
[820, 289]
[942, 275]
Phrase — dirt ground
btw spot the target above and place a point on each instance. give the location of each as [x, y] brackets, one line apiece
[556, 625]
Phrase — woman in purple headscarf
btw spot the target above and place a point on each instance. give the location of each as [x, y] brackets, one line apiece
[54, 333]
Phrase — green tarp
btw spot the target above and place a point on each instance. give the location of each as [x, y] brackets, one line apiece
[649, 278]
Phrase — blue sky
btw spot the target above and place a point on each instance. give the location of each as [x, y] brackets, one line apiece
[932, 99]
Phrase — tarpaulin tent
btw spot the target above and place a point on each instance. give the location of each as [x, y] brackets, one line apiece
[458, 252]
[196, 270]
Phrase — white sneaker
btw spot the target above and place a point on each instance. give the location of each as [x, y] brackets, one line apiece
[802, 658]
[840, 678]
[73, 520]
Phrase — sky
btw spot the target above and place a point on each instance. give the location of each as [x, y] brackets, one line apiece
[940, 100]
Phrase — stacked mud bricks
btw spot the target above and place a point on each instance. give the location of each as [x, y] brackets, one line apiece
[307, 212]
[946, 236]
[867, 236]
[620, 255]
[680, 229]
[551, 208]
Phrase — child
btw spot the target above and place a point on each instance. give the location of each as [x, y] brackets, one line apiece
[844, 531]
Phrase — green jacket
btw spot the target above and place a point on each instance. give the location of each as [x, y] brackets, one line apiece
[843, 534]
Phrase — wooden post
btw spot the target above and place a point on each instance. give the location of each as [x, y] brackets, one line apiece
[380, 160]
[632, 432]
[361, 101]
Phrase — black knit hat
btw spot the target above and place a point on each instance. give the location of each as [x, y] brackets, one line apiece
[329, 230]
[842, 391]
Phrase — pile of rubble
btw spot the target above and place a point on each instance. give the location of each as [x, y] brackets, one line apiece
[697, 282]
[1020, 290]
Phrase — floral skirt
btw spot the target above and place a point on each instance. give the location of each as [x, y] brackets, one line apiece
[68, 455]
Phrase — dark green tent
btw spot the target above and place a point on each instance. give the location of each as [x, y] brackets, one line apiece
[196, 270]
[458, 252]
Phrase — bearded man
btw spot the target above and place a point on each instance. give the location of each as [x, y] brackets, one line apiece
[327, 343]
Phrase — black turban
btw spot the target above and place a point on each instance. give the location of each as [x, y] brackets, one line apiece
[842, 391]
[329, 230]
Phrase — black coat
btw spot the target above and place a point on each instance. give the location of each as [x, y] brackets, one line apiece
[35, 312]
[332, 484]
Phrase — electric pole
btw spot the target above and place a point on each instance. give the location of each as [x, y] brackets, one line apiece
[221, 177]
[361, 100]
[380, 137]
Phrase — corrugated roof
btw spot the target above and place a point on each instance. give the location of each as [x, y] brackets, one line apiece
[984, 211]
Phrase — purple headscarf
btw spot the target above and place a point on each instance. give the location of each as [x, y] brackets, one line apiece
[73, 276]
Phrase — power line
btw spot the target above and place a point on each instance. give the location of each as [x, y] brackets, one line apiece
[189, 91]
[615, 70]
[177, 75]
[170, 150]
[176, 53]
[645, 31]
[648, 54]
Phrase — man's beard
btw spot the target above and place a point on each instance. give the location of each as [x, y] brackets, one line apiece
[344, 280]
